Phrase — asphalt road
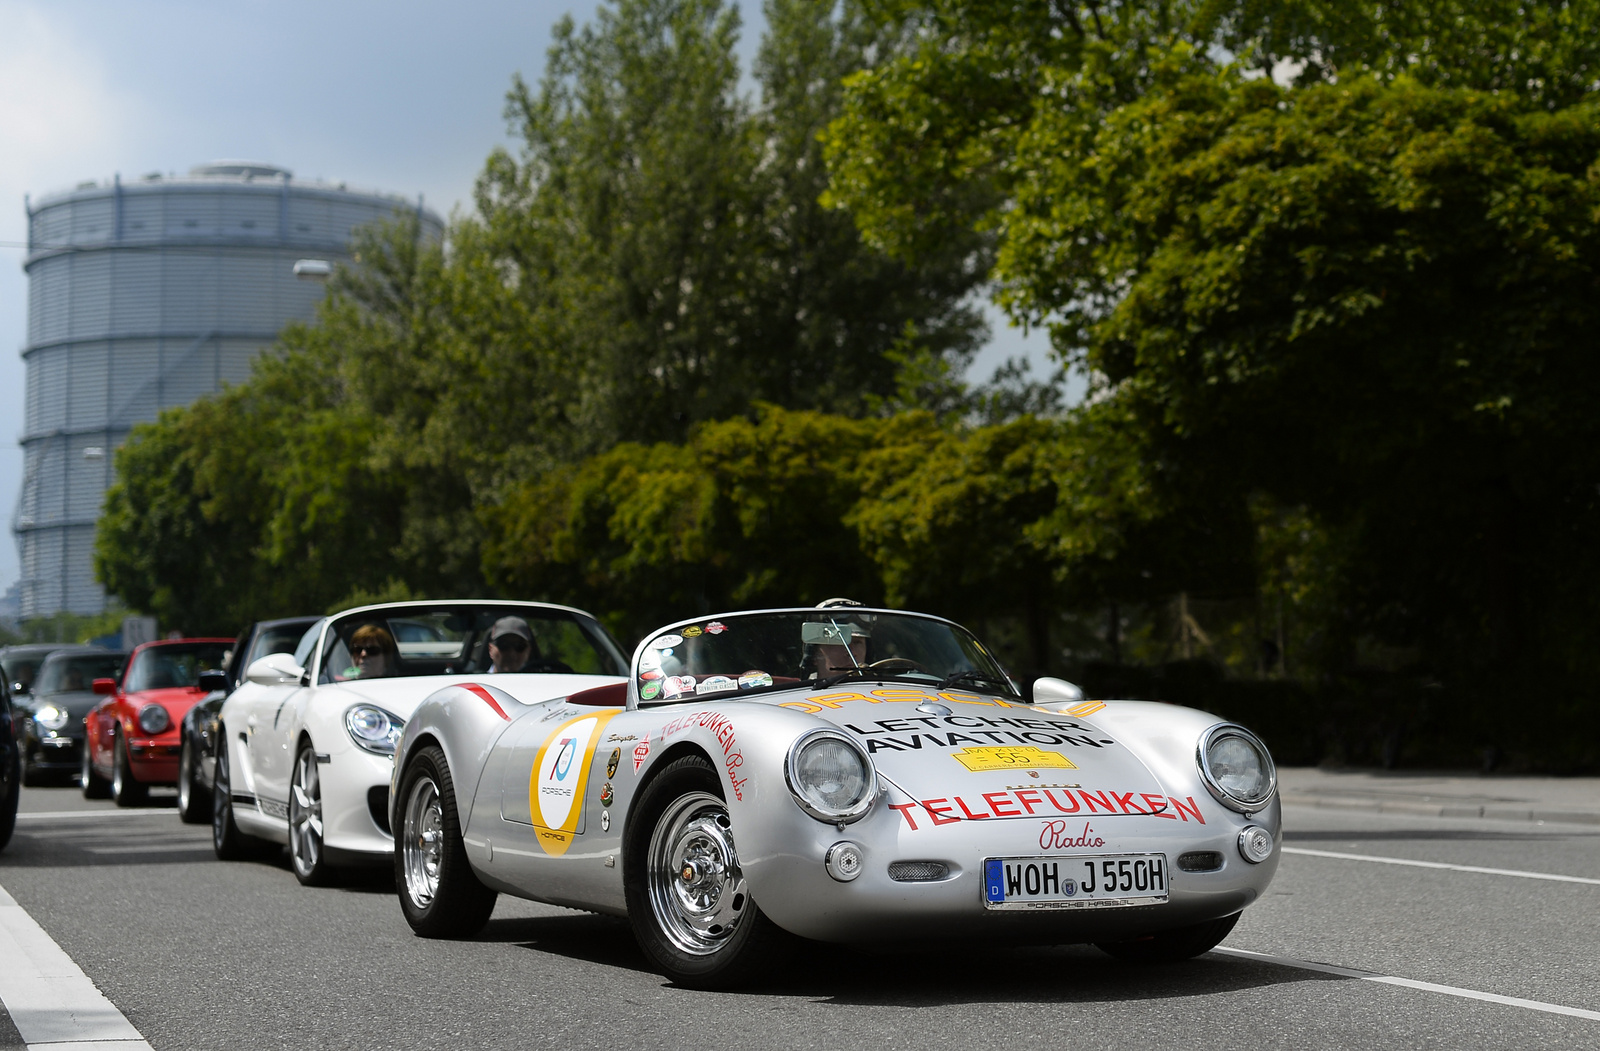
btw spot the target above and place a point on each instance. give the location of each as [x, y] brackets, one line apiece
[203, 954]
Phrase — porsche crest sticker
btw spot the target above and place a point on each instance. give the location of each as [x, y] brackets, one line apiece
[556, 784]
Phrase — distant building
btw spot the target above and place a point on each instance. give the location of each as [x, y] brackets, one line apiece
[147, 295]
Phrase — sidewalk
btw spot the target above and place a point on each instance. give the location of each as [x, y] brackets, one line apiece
[1565, 799]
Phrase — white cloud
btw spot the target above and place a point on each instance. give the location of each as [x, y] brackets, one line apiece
[58, 111]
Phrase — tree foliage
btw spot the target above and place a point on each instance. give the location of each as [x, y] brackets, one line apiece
[653, 256]
[1340, 258]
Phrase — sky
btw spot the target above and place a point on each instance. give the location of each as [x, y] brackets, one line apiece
[403, 96]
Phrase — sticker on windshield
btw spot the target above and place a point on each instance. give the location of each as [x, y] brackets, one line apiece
[716, 684]
[677, 685]
[692, 631]
[666, 642]
[716, 627]
[752, 680]
[650, 691]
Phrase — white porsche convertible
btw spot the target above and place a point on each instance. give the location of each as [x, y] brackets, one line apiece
[310, 736]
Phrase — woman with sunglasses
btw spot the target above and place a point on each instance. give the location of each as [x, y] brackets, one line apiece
[374, 652]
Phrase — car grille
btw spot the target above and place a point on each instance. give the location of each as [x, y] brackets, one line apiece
[918, 871]
[378, 806]
[1200, 861]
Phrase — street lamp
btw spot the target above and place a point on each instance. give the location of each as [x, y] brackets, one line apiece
[313, 269]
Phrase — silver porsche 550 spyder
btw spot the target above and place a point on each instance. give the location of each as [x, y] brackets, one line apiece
[841, 774]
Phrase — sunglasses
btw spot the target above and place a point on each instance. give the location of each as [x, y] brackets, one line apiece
[368, 651]
[510, 642]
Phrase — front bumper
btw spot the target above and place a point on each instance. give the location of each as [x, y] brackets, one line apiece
[154, 760]
[351, 779]
[788, 879]
[53, 751]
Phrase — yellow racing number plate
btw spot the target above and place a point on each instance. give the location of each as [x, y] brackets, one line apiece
[1020, 758]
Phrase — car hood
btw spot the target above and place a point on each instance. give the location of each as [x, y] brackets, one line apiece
[75, 703]
[402, 694]
[987, 755]
[176, 699]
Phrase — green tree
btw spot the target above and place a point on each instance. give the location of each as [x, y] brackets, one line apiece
[665, 231]
[654, 257]
[1360, 290]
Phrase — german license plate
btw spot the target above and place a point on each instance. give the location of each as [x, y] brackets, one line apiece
[1079, 882]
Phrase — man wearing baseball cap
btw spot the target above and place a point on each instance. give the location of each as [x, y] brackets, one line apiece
[510, 645]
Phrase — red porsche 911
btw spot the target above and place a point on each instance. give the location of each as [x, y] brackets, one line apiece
[132, 737]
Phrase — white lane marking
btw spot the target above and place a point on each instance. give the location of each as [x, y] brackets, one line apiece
[51, 1001]
[41, 815]
[1441, 865]
[153, 848]
[1409, 983]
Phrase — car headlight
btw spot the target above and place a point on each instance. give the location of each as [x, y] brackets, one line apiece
[374, 729]
[50, 717]
[830, 776]
[153, 719]
[1237, 768]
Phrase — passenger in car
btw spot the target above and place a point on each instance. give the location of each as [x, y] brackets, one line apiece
[510, 645]
[374, 652]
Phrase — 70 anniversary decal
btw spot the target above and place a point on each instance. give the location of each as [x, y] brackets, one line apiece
[560, 775]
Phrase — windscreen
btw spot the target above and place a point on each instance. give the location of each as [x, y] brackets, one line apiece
[456, 640]
[279, 639]
[760, 651]
[74, 674]
[22, 670]
[175, 665]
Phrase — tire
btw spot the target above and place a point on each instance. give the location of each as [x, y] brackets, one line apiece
[125, 791]
[306, 851]
[94, 786]
[704, 931]
[1171, 946]
[10, 796]
[439, 893]
[227, 841]
[194, 802]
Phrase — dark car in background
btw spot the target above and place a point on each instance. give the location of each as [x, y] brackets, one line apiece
[21, 664]
[10, 767]
[197, 759]
[51, 719]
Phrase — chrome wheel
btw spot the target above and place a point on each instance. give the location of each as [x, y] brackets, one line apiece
[305, 815]
[422, 841]
[697, 890]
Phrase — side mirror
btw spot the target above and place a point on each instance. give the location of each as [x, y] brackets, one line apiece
[275, 669]
[210, 681]
[1055, 691]
[104, 686]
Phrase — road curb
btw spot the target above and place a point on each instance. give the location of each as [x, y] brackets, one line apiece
[1454, 809]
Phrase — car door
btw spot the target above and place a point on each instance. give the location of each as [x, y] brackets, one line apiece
[269, 724]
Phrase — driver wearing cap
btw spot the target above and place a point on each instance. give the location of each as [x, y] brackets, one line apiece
[830, 658]
[510, 645]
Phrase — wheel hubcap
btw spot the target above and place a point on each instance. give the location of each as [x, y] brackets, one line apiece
[305, 813]
[422, 842]
[697, 890]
